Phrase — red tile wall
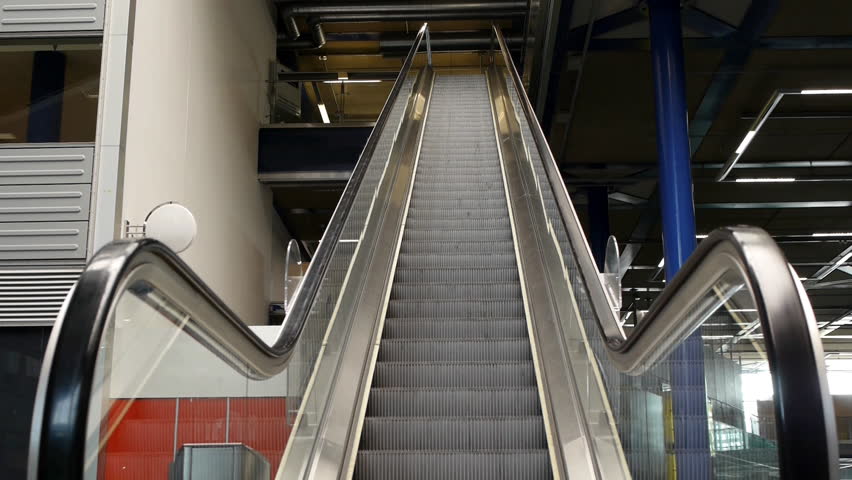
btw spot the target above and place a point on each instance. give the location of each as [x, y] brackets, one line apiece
[142, 440]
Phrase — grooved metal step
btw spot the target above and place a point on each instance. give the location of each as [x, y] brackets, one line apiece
[453, 433]
[455, 328]
[457, 308]
[457, 275]
[501, 401]
[443, 350]
[454, 465]
[454, 374]
[447, 291]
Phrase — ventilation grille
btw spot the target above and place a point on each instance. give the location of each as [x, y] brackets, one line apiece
[34, 296]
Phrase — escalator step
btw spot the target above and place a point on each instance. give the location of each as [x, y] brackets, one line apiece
[456, 275]
[454, 402]
[469, 234]
[491, 465]
[458, 291]
[458, 223]
[460, 308]
[457, 247]
[448, 260]
[454, 374]
[440, 214]
[452, 433]
[455, 328]
[442, 350]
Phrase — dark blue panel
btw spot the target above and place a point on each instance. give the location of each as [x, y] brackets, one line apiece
[21, 352]
[310, 148]
[598, 223]
[725, 78]
[557, 62]
[48, 83]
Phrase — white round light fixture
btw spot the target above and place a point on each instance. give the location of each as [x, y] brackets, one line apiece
[173, 225]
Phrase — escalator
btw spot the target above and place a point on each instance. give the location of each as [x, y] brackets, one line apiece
[451, 325]
[455, 386]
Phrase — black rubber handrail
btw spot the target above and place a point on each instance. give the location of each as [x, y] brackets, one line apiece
[60, 414]
[804, 412]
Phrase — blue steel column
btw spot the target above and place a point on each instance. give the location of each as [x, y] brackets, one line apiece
[689, 404]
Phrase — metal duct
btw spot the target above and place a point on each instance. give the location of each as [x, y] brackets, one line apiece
[392, 45]
[452, 41]
[401, 17]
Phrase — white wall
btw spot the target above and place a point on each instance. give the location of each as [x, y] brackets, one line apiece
[197, 97]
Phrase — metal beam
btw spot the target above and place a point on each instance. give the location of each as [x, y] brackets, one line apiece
[754, 24]
[548, 95]
[835, 263]
[769, 43]
[606, 24]
[705, 23]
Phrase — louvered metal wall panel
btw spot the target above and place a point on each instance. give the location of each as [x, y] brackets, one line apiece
[44, 203]
[34, 295]
[43, 240]
[51, 16]
[46, 165]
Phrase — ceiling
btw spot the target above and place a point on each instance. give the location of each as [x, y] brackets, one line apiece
[598, 112]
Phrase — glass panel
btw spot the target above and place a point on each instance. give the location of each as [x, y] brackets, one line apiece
[738, 401]
[164, 387]
[335, 335]
[49, 94]
[160, 388]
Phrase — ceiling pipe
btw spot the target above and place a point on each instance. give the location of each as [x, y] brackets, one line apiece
[410, 8]
[440, 41]
[451, 41]
[402, 17]
[317, 41]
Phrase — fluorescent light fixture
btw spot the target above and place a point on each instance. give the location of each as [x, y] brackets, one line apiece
[323, 113]
[746, 140]
[351, 81]
[701, 236]
[766, 180]
[831, 234]
[662, 262]
[828, 91]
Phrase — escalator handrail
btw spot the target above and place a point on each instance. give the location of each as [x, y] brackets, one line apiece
[58, 434]
[805, 424]
[295, 320]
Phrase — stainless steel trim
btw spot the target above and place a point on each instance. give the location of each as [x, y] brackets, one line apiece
[548, 300]
[607, 319]
[361, 307]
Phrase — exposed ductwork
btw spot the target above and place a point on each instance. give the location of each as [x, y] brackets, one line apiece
[397, 10]
[401, 17]
[392, 45]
